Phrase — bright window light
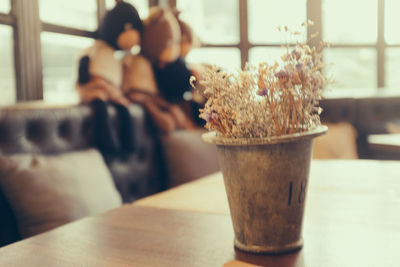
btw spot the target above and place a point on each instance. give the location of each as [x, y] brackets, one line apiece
[71, 13]
[5, 6]
[350, 21]
[60, 55]
[216, 22]
[7, 77]
[351, 67]
[266, 15]
[392, 67]
[392, 21]
[226, 58]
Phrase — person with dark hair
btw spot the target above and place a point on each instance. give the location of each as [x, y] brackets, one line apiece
[100, 76]
[100, 71]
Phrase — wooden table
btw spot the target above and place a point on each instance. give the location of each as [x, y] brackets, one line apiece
[352, 219]
[385, 142]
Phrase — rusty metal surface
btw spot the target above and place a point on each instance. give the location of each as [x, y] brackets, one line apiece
[266, 186]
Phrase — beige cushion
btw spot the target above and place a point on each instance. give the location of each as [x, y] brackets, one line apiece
[188, 157]
[339, 142]
[47, 191]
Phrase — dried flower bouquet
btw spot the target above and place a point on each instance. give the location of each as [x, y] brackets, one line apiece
[266, 100]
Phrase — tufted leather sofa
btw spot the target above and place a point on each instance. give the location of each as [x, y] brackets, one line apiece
[38, 128]
[35, 128]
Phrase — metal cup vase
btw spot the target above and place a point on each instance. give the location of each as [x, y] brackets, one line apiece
[266, 183]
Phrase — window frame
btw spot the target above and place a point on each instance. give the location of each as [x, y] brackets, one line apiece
[27, 58]
[314, 13]
[6, 19]
[29, 85]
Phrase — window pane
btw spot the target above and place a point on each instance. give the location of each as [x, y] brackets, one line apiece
[60, 55]
[392, 21]
[227, 58]
[7, 77]
[142, 6]
[216, 22]
[72, 13]
[265, 54]
[352, 21]
[5, 6]
[266, 15]
[392, 67]
[351, 67]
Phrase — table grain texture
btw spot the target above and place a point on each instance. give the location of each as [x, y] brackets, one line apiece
[352, 219]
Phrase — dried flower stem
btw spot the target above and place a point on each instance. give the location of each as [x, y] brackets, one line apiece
[268, 99]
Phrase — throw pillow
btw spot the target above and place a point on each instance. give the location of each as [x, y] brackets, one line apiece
[45, 192]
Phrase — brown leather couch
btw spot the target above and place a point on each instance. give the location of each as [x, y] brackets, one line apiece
[137, 171]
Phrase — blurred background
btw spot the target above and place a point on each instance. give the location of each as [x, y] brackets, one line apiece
[364, 55]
